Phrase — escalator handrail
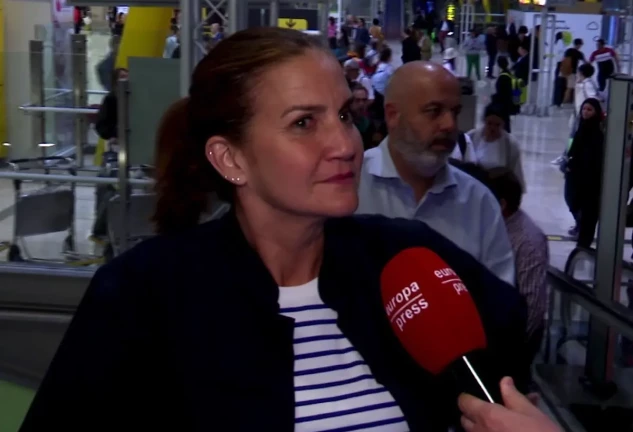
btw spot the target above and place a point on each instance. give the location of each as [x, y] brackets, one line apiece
[579, 253]
[613, 313]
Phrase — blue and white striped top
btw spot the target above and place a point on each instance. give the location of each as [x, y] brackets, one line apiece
[334, 388]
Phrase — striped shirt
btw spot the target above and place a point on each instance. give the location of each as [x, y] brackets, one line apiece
[334, 388]
[531, 257]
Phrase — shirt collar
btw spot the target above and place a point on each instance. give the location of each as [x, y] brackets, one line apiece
[382, 166]
[514, 219]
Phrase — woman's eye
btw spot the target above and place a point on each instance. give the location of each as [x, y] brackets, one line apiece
[303, 122]
[346, 117]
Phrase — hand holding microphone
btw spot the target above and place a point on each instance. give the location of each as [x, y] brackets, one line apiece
[518, 414]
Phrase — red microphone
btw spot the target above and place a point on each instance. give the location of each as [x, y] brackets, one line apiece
[431, 311]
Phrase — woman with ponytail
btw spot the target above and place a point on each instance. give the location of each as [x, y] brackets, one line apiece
[269, 318]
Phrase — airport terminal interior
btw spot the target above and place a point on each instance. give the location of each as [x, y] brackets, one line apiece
[542, 136]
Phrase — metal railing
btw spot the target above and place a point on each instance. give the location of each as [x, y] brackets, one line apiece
[565, 387]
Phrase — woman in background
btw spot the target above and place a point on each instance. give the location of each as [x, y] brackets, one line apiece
[583, 173]
[494, 147]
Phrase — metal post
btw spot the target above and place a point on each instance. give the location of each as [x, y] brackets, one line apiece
[274, 13]
[186, 42]
[80, 96]
[324, 14]
[543, 96]
[36, 66]
[232, 16]
[124, 162]
[530, 108]
[197, 50]
[613, 200]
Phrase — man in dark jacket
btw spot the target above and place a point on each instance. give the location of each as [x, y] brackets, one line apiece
[491, 50]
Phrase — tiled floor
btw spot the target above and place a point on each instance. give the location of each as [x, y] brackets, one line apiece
[541, 138]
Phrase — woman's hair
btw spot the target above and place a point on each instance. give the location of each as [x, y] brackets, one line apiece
[586, 70]
[220, 103]
[385, 55]
[501, 181]
[597, 107]
[494, 109]
[502, 62]
[505, 185]
[375, 21]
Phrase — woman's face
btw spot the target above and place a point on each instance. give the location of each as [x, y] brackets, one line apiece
[493, 126]
[588, 111]
[302, 153]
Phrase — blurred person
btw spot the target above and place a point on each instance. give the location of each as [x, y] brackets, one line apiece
[493, 146]
[78, 19]
[560, 82]
[472, 47]
[355, 75]
[492, 50]
[363, 122]
[521, 67]
[107, 127]
[379, 82]
[383, 73]
[172, 42]
[502, 42]
[445, 27]
[449, 56]
[216, 33]
[516, 41]
[332, 33]
[583, 171]
[407, 175]
[507, 92]
[529, 245]
[569, 67]
[166, 335]
[107, 122]
[119, 24]
[584, 88]
[375, 31]
[517, 414]
[426, 45]
[361, 35]
[410, 49]
[372, 58]
[105, 68]
[607, 61]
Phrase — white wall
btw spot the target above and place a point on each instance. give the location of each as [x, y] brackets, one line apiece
[21, 17]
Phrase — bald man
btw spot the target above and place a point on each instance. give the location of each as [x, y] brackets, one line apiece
[408, 176]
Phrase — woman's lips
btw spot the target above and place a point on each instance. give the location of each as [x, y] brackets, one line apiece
[343, 178]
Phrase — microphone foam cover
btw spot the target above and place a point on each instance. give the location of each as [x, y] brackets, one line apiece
[430, 309]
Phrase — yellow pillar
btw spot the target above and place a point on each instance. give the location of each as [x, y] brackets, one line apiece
[144, 34]
[486, 5]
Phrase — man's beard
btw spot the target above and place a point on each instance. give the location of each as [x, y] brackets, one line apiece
[424, 161]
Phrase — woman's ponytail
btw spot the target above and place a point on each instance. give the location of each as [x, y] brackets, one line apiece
[183, 175]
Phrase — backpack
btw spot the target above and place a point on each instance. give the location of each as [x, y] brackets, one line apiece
[517, 91]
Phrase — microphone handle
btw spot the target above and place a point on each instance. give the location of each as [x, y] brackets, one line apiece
[473, 372]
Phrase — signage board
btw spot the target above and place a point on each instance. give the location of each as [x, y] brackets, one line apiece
[293, 23]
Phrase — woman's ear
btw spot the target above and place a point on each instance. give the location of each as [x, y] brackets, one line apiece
[222, 155]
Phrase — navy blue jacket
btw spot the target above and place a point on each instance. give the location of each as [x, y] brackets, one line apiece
[183, 333]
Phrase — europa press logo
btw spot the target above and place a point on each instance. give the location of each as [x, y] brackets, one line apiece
[408, 303]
